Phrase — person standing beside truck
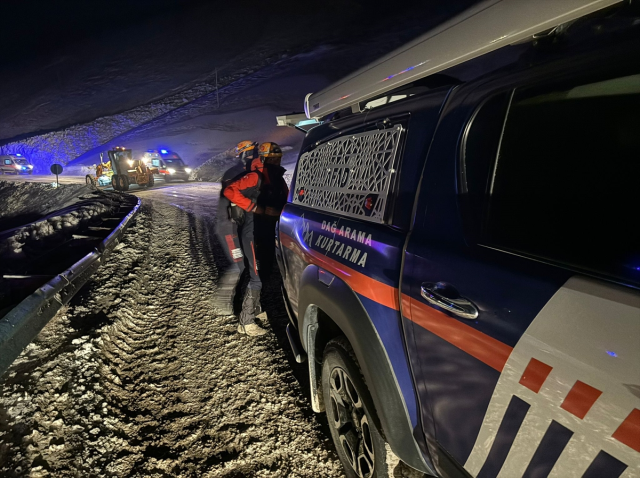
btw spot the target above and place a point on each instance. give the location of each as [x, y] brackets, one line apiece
[273, 197]
[236, 209]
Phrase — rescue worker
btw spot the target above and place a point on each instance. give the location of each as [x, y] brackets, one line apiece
[273, 197]
[236, 208]
[227, 230]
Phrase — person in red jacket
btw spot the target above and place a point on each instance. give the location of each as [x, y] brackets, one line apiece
[238, 204]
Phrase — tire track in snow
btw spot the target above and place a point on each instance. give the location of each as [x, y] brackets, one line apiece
[137, 378]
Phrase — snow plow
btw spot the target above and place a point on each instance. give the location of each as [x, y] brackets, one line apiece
[127, 170]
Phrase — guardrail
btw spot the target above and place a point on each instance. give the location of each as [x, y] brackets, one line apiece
[25, 321]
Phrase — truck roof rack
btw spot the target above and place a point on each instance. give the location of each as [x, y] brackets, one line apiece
[486, 27]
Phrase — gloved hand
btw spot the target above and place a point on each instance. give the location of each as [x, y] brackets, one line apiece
[236, 214]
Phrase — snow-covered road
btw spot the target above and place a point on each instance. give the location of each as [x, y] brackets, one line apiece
[200, 199]
[137, 377]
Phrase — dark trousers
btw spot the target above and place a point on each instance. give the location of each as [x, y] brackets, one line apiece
[265, 236]
[239, 245]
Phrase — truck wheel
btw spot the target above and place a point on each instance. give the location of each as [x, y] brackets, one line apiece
[89, 180]
[124, 183]
[115, 182]
[351, 415]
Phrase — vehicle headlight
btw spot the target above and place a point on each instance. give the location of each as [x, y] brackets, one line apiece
[187, 170]
[130, 161]
[171, 170]
[30, 166]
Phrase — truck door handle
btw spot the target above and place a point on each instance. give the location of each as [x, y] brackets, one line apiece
[446, 297]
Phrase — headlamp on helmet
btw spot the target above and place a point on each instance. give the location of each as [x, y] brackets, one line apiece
[270, 152]
[245, 146]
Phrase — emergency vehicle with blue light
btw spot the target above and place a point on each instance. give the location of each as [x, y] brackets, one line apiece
[170, 165]
[15, 164]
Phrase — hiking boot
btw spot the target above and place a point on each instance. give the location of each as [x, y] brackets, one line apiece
[253, 330]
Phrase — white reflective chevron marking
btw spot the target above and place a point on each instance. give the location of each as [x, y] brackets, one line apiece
[525, 444]
[577, 333]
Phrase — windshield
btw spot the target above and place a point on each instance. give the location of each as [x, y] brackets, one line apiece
[21, 161]
[174, 162]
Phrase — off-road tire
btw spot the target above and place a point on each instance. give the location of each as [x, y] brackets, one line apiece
[151, 182]
[351, 415]
[124, 183]
[115, 182]
[89, 180]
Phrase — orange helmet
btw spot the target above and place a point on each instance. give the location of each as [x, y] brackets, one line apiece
[270, 152]
[245, 146]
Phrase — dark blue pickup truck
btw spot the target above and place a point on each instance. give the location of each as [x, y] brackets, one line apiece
[460, 251]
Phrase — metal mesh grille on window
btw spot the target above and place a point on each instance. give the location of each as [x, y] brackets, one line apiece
[350, 175]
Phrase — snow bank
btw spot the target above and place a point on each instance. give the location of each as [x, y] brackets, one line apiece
[22, 202]
[50, 228]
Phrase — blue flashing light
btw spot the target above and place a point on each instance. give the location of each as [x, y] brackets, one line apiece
[18, 154]
[611, 353]
[164, 151]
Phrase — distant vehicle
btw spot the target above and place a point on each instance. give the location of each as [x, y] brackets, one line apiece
[127, 170]
[458, 253]
[170, 165]
[15, 164]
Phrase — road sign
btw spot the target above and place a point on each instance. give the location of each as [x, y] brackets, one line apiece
[56, 169]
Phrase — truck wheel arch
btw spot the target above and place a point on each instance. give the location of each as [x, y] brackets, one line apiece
[327, 311]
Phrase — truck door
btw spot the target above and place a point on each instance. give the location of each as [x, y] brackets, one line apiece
[520, 282]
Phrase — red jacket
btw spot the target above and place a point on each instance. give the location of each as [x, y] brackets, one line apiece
[244, 191]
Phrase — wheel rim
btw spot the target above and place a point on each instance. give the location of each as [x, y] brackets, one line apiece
[351, 423]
